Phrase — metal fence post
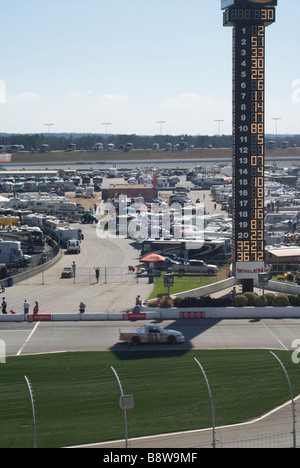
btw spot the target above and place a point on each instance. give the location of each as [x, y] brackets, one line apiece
[211, 403]
[125, 413]
[292, 398]
[33, 411]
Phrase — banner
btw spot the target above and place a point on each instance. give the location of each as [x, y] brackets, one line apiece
[5, 157]
[39, 318]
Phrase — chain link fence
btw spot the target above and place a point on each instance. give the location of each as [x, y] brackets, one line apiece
[86, 276]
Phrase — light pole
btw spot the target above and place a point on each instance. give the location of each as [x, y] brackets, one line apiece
[219, 125]
[276, 120]
[49, 125]
[106, 124]
[161, 122]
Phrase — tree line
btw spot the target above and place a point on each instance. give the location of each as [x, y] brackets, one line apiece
[57, 141]
[87, 141]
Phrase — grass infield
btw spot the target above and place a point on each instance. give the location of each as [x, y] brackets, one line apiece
[77, 396]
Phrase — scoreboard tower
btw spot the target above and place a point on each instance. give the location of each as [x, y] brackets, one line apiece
[249, 19]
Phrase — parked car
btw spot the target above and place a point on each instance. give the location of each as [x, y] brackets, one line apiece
[173, 260]
[225, 206]
[67, 273]
[195, 266]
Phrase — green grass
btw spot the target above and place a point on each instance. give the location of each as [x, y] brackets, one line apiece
[186, 282]
[76, 394]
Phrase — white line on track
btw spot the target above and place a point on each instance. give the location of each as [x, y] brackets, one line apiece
[27, 340]
[276, 338]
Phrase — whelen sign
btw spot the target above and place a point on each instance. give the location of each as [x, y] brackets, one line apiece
[249, 269]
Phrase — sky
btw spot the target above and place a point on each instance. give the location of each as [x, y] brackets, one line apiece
[81, 64]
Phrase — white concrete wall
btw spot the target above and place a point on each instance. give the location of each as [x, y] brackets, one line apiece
[188, 313]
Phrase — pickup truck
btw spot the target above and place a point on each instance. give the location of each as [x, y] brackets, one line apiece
[195, 266]
[73, 246]
[151, 333]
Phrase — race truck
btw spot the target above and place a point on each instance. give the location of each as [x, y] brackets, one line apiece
[151, 333]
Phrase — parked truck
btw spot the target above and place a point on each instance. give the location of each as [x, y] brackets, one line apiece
[11, 254]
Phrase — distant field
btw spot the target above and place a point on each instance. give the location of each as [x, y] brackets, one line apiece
[76, 395]
[138, 155]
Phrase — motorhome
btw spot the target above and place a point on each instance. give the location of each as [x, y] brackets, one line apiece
[279, 217]
[128, 147]
[112, 172]
[162, 181]
[31, 238]
[212, 249]
[208, 182]
[98, 147]
[62, 230]
[52, 205]
[71, 147]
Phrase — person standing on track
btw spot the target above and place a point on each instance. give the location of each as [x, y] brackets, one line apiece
[4, 305]
[97, 273]
[36, 308]
[26, 307]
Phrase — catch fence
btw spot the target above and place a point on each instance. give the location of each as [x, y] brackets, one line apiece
[112, 275]
[171, 403]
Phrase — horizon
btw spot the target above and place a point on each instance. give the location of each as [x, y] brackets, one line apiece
[135, 67]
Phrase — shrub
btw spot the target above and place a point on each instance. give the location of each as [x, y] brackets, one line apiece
[204, 301]
[153, 303]
[260, 301]
[270, 298]
[177, 302]
[294, 300]
[281, 300]
[165, 302]
[240, 300]
[250, 298]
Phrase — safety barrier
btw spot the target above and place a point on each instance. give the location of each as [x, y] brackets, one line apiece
[173, 313]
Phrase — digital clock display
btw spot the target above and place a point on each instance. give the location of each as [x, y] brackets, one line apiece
[249, 19]
[263, 16]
